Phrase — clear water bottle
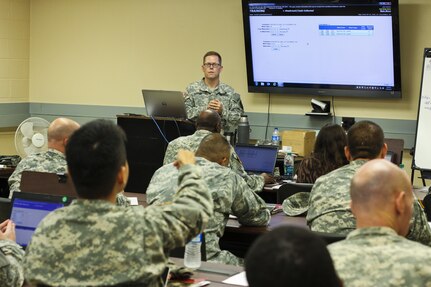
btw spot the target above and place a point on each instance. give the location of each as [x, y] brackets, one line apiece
[275, 137]
[289, 166]
[192, 255]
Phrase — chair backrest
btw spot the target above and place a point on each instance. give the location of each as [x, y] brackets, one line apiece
[5, 208]
[290, 188]
[396, 147]
[179, 251]
[330, 237]
[47, 183]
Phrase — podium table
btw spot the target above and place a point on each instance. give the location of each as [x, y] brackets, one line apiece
[146, 145]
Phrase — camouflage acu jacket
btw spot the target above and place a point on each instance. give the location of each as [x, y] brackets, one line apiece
[11, 270]
[377, 256]
[96, 243]
[191, 143]
[231, 195]
[198, 95]
[329, 206]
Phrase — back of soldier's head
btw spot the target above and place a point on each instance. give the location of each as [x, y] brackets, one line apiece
[373, 192]
[365, 139]
[95, 154]
[214, 147]
[290, 256]
[209, 120]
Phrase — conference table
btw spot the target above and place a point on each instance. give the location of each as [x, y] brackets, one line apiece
[238, 238]
[216, 273]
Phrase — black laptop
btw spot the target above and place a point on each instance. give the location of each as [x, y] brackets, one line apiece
[165, 104]
[28, 209]
[257, 159]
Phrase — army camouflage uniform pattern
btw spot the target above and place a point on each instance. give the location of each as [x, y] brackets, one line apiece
[329, 206]
[192, 142]
[52, 161]
[11, 257]
[96, 243]
[198, 95]
[377, 256]
[231, 195]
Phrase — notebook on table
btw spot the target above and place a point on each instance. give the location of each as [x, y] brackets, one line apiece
[165, 104]
[28, 209]
[257, 159]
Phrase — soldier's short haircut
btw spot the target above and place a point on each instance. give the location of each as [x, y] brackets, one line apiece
[208, 120]
[365, 139]
[290, 256]
[212, 53]
[95, 154]
[214, 147]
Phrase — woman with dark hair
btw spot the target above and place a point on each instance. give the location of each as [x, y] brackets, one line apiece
[328, 154]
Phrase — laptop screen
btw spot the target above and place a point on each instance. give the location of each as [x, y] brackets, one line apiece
[29, 209]
[257, 159]
[165, 104]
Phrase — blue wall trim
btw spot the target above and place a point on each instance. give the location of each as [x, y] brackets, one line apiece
[14, 113]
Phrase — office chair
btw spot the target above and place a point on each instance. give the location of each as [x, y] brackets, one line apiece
[395, 149]
[290, 188]
[5, 208]
[330, 237]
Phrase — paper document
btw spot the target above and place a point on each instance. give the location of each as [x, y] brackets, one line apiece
[237, 279]
[133, 200]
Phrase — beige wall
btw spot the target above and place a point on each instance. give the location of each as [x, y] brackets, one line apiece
[14, 50]
[103, 52]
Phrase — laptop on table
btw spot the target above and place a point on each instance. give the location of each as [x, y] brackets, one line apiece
[257, 159]
[28, 209]
[165, 104]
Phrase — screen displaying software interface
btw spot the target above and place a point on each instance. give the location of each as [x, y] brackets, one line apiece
[26, 214]
[320, 44]
[257, 159]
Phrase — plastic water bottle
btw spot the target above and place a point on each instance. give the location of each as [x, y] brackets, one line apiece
[289, 166]
[275, 137]
[192, 255]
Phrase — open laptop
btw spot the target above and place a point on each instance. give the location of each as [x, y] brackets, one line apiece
[257, 159]
[165, 104]
[28, 209]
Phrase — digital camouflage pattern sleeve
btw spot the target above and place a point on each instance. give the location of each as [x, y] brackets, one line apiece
[198, 95]
[11, 261]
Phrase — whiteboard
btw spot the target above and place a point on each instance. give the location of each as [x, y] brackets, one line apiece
[422, 155]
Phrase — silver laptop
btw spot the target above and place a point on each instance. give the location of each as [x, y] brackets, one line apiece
[165, 104]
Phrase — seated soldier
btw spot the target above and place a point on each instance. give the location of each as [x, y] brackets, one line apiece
[290, 256]
[329, 205]
[207, 123]
[93, 242]
[11, 257]
[229, 191]
[376, 253]
[53, 160]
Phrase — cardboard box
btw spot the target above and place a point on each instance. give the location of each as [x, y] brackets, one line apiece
[301, 141]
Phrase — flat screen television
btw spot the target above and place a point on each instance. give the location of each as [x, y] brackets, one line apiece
[332, 48]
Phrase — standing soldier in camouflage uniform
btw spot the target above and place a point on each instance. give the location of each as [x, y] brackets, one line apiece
[330, 198]
[229, 191]
[207, 123]
[377, 254]
[11, 257]
[210, 93]
[52, 160]
[93, 242]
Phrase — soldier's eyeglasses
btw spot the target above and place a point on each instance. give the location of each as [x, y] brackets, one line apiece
[211, 65]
